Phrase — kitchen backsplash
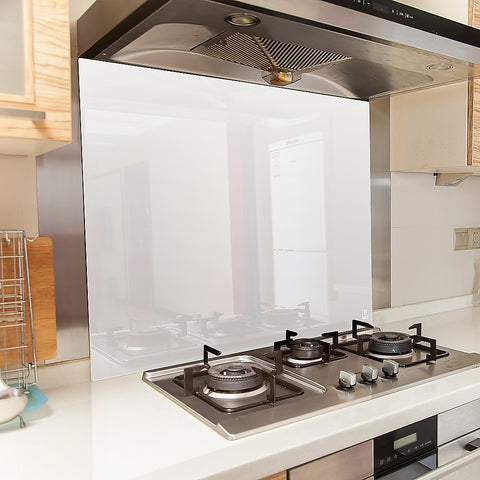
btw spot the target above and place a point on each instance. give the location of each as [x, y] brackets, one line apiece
[218, 212]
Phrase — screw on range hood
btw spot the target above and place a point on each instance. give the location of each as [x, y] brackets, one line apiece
[242, 20]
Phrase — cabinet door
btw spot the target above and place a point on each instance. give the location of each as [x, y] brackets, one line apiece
[437, 129]
[474, 98]
[277, 476]
[35, 117]
[16, 51]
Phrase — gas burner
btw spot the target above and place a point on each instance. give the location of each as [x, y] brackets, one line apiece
[389, 343]
[306, 349]
[407, 350]
[306, 352]
[236, 383]
[234, 377]
[234, 401]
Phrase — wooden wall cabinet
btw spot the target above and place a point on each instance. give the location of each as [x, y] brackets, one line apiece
[277, 476]
[438, 129]
[35, 108]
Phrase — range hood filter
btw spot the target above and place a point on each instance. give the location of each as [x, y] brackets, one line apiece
[277, 58]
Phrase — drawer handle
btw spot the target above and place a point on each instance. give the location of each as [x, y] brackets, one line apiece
[19, 113]
[473, 445]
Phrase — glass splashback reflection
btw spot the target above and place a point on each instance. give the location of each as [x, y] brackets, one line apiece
[218, 212]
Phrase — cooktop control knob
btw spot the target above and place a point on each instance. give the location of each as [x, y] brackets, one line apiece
[347, 379]
[390, 368]
[369, 373]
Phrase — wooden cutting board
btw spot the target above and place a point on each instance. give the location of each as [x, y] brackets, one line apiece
[42, 288]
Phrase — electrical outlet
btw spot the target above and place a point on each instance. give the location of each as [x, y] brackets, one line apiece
[461, 239]
[474, 237]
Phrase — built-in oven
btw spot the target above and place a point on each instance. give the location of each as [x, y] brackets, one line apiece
[406, 453]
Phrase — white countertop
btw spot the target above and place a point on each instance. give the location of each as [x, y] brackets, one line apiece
[122, 428]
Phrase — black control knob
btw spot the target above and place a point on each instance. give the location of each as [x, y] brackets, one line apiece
[369, 373]
[347, 380]
[390, 368]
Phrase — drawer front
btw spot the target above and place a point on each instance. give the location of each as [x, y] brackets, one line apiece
[354, 463]
[458, 421]
[456, 448]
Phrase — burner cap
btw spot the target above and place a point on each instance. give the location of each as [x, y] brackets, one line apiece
[390, 343]
[234, 377]
[306, 348]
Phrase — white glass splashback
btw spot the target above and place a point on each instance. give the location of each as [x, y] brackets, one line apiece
[218, 212]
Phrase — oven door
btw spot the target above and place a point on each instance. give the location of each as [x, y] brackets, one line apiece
[412, 470]
[461, 464]
[406, 453]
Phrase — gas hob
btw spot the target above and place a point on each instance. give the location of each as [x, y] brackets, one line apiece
[257, 390]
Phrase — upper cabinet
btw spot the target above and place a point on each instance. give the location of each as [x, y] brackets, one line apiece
[35, 94]
[434, 129]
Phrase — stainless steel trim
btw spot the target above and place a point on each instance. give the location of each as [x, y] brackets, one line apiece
[380, 191]
[20, 113]
[100, 18]
[353, 463]
[456, 448]
[452, 470]
[458, 421]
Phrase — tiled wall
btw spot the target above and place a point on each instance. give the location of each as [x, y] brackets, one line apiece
[424, 265]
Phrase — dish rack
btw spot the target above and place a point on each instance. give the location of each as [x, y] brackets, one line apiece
[18, 365]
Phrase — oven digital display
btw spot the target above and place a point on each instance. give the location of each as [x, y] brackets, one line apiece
[404, 441]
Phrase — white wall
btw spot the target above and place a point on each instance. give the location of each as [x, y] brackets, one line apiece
[424, 265]
[18, 194]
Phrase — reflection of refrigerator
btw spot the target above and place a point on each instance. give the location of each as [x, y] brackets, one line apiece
[298, 223]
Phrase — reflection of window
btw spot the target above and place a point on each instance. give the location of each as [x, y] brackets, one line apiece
[298, 222]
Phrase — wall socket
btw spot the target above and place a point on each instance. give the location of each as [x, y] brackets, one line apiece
[474, 237]
[466, 238]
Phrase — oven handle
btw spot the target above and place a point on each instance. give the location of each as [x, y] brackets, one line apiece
[448, 468]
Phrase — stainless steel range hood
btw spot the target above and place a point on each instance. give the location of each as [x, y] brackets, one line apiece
[349, 48]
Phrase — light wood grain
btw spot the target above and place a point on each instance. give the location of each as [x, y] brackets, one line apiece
[40, 265]
[276, 476]
[474, 99]
[40, 261]
[51, 72]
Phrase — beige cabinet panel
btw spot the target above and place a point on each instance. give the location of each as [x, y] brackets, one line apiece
[40, 120]
[438, 130]
[429, 129]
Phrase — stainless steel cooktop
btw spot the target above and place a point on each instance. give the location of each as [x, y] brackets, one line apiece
[242, 394]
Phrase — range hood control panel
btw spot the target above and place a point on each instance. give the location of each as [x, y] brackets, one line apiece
[406, 15]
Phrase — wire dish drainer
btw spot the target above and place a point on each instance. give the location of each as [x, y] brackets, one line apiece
[18, 365]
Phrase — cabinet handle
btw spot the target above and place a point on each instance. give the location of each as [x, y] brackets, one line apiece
[19, 113]
[473, 445]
